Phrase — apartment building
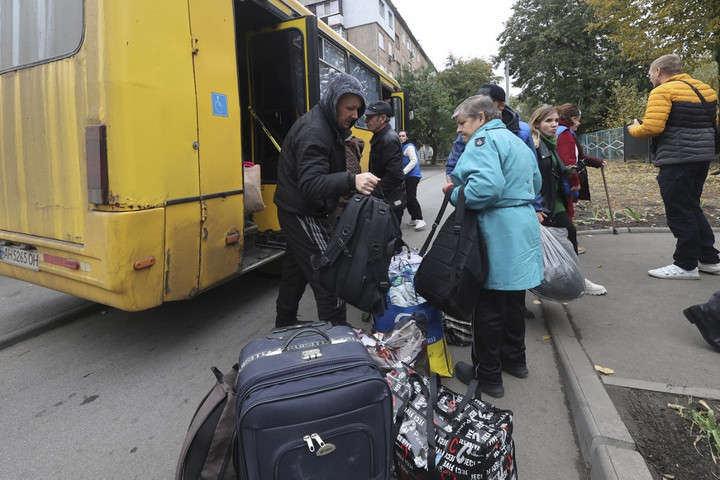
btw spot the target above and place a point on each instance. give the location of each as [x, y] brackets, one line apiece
[375, 28]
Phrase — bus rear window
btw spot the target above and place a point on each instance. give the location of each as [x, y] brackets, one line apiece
[37, 31]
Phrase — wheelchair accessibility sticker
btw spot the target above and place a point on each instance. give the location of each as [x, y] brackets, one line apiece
[219, 104]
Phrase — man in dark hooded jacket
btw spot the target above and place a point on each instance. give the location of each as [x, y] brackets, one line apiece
[312, 177]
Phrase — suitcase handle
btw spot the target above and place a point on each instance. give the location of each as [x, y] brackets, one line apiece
[305, 330]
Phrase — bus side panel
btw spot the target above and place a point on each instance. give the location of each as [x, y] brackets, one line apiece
[42, 150]
[220, 259]
[105, 273]
[150, 103]
[182, 250]
[218, 107]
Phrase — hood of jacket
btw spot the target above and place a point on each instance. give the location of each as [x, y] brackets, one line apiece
[340, 85]
[511, 119]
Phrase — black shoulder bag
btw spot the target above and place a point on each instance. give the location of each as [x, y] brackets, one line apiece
[453, 271]
[710, 112]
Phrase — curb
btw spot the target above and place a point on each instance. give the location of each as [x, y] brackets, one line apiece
[45, 325]
[632, 230]
[605, 443]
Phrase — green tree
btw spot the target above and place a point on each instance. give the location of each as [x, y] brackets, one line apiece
[629, 103]
[434, 96]
[646, 29]
[555, 59]
[463, 77]
[431, 106]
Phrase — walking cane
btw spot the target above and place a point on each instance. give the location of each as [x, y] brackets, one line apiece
[607, 196]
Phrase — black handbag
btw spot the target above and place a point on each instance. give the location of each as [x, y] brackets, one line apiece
[397, 198]
[453, 271]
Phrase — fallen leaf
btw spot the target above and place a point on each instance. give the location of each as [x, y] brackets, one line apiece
[546, 337]
[537, 302]
[604, 370]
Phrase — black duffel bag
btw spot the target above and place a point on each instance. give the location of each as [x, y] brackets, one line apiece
[453, 271]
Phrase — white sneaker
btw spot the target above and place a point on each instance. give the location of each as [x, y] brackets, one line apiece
[412, 223]
[673, 272]
[420, 225]
[594, 289]
[709, 267]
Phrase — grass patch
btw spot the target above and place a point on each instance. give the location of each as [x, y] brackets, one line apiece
[703, 421]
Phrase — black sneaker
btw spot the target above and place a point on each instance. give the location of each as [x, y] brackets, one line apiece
[710, 332]
[465, 373]
[494, 390]
[519, 371]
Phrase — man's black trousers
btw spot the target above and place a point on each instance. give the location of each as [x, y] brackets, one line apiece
[305, 236]
[681, 186]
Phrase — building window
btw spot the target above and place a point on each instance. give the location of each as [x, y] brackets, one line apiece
[330, 7]
[381, 41]
[390, 20]
[381, 6]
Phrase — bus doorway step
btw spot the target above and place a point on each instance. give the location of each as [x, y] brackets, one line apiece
[271, 239]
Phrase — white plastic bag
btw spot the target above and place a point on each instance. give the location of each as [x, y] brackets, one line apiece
[563, 280]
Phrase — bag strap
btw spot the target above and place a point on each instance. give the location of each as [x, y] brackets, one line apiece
[706, 105]
[378, 249]
[430, 427]
[459, 215]
[223, 389]
[342, 234]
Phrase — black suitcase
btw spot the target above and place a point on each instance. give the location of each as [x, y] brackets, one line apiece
[312, 404]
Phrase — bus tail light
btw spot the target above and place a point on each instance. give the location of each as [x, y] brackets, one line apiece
[96, 160]
[62, 262]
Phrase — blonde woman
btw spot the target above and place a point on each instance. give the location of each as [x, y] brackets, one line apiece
[543, 127]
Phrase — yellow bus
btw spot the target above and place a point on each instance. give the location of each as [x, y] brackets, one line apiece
[125, 125]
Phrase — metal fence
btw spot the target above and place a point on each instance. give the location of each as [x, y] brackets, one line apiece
[616, 144]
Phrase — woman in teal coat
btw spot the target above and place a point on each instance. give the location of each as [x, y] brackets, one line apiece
[501, 178]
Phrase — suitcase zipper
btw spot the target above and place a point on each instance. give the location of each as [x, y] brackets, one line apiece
[325, 448]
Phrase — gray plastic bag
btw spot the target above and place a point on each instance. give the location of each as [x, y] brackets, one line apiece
[563, 280]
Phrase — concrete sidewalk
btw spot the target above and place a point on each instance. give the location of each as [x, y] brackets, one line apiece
[566, 425]
[637, 330]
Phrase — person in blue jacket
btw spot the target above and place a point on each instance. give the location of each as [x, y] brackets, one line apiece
[509, 117]
[411, 169]
[501, 179]
[513, 123]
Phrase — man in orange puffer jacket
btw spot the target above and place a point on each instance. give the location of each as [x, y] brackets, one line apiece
[682, 127]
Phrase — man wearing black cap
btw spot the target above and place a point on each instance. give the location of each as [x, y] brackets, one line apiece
[386, 156]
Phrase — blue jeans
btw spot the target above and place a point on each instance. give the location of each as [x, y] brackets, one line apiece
[681, 186]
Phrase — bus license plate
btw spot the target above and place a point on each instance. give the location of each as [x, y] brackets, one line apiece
[19, 257]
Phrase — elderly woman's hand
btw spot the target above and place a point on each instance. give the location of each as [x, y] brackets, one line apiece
[447, 187]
